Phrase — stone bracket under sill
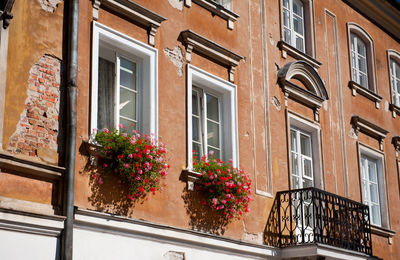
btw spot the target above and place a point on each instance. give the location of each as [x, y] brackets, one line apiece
[395, 110]
[286, 49]
[216, 9]
[190, 177]
[356, 88]
[383, 232]
[92, 150]
[134, 12]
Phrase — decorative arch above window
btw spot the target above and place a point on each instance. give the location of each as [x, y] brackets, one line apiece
[362, 63]
[314, 93]
[394, 72]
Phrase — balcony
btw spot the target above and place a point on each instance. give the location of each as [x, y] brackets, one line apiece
[313, 216]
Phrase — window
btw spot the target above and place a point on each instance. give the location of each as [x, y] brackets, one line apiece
[206, 123]
[369, 173]
[293, 23]
[301, 152]
[124, 82]
[362, 60]
[306, 168]
[373, 185]
[359, 60]
[395, 81]
[212, 116]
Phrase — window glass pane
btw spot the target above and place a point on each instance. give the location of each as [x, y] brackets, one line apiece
[296, 182]
[363, 80]
[295, 164]
[375, 215]
[298, 25]
[197, 149]
[287, 36]
[216, 153]
[127, 124]
[352, 42]
[372, 171]
[106, 94]
[127, 74]
[196, 129]
[305, 144]
[307, 183]
[365, 191]
[127, 104]
[307, 165]
[286, 18]
[362, 50]
[362, 64]
[212, 134]
[286, 3]
[212, 108]
[374, 193]
[293, 140]
[299, 43]
[195, 103]
[298, 7]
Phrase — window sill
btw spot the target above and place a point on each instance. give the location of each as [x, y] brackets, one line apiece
[216, 9]
[395, 110]
[295, 53]
[383, 232]
[190, 177]
[356, 88]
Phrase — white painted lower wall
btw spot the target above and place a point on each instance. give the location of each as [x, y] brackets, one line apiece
[101, 236]
[23, 246]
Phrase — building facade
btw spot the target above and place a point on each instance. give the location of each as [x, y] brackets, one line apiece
[303, 95]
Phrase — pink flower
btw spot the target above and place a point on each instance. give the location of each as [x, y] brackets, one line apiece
[130, 155]
[140, 171]
[126, 165]
[101, 181]
[105, 165]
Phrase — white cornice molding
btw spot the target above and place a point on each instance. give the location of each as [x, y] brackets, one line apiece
[132, 11]
[362, 125]
[213, 51]
[380, 12]
[356, 88]
[31, 223]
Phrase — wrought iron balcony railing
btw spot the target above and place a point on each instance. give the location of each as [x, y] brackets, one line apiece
[312, 216]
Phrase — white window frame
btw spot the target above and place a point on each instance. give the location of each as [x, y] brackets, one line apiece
[301, 157]
[360, 33]
[394, 57]
[313, 130]
[293, 33]
[3, 75]
[357, 72]
[372, 153]
[202, 108]
[148, 57]
[227, 92]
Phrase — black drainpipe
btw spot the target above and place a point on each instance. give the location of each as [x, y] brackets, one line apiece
[71, 82]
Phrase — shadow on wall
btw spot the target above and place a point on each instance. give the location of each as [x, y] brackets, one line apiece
[202, 217]
[108, 192]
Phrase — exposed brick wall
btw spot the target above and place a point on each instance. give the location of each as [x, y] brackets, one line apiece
[38, 124]
[49, 5]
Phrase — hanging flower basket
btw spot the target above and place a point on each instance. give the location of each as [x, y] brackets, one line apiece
[227, 189]
[138, 159]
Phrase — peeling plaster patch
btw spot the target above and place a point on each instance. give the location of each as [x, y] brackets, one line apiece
[271, 40]
[49, 5]
[37, 128]
[178, 4]
[253, 238]
[276, 103]
[176, 56]
[172, 255]
[353, 134]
